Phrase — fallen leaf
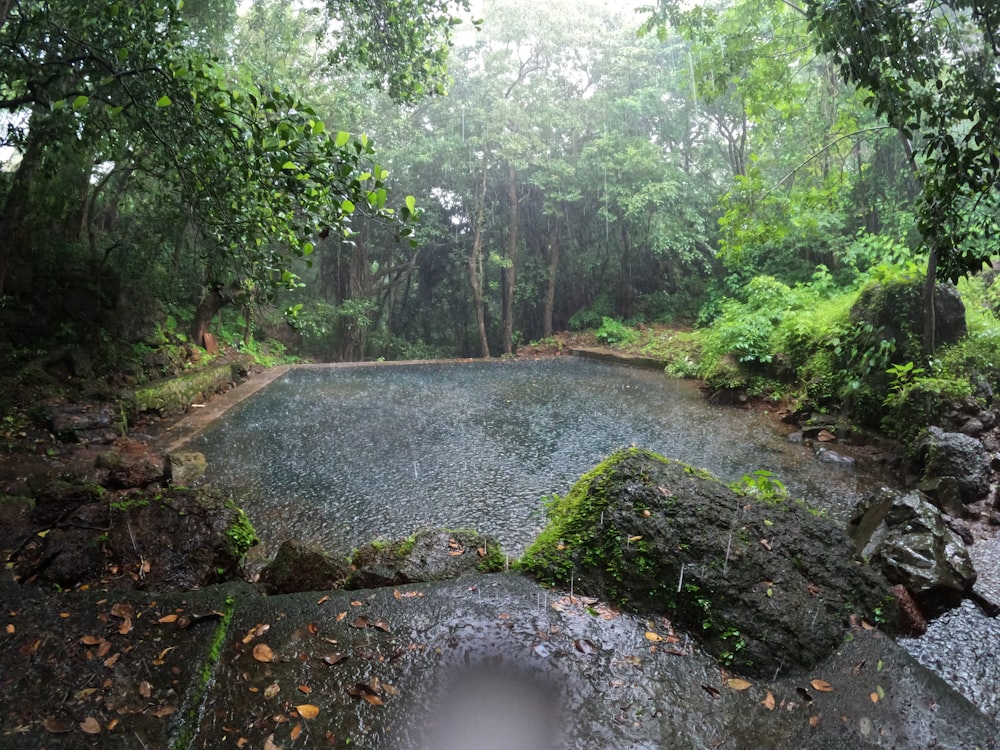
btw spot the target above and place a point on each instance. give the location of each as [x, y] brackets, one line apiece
[91, 640]
[360, 623]
[104, 649]
[340, 617]
[164, 711]
[814, 721]
[822, 686]
[372, 699]
[11, 629]
[62, 726]
[768, 701]
[112, 660]
[381, 625]
[145, 689]
[308, 711]
[296, 732]
[635, 538]
[311, 627]
[332, 659]
[323, 599]
[867, 625]
[305, 689]
[269, 743]
[654, 637]
[262, 652]
[453, 544]
[584, 646]
[272, 690]
[737, 683]
[765, 544]
[356, 603]
[481, 551]
[456, 552]
[874, 697]
[256, 631]
[389, 689]
[90, 725]
[168, 618]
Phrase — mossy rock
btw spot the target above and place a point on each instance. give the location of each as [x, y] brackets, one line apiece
[763, 585]
[427, 555]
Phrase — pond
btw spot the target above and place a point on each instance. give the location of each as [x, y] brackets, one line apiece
[340, 455]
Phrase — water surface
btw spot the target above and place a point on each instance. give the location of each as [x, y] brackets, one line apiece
[338, 456]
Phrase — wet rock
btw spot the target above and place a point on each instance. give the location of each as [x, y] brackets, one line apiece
[297, 567]
[832, 457]
[132, 464]
[763, 583]
[906, 537]
[185, 468]
[83, 422]
[178, 539]
[952, 454]
[427, 555]
[59, 500]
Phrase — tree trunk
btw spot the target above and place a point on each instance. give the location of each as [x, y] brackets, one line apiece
[930, 281]
[510, 272]
[214, 300]
[550, 283]
[15, 229]
[476, 267]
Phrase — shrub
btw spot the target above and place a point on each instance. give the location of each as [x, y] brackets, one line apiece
[615, 332]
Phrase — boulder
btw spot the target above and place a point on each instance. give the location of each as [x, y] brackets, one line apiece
[132, 464]
[907, 538]
[185, 468]
[297, 568]
[427, 555]
[958, 457]
[765, 583]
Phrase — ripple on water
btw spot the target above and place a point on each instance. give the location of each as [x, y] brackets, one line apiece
[337, 456]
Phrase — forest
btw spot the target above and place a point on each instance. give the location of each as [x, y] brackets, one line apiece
[774, 196]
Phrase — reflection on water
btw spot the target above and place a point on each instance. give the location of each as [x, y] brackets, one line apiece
[341, 455]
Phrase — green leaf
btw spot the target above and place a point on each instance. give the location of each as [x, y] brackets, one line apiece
[347, 207]
[342, 138]
[80, 102]
[411, 203]
[163, 101]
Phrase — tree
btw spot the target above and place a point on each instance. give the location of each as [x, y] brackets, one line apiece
[931, 67]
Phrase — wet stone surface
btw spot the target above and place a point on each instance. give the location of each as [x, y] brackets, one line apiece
[337, 456]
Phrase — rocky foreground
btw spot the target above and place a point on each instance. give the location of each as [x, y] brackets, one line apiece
[148, 649]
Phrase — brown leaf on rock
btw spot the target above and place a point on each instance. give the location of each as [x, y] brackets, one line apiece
[256, 631]
[272, 690]
[340, 617]
[269, 743]
[91, 640]
[112, 660]
[584, 646]
[168, 619]
[305, 689]
[654, 637]
[737, 683]
[90, 725]
[822, 686]
[145, 689]
[768, 701]
[164, 711]
[381, 625]
[334, 658]
[323, 599]
[357, 603]
[360, 623]
[104, 649]
[308, 711]
[456, 552]
[57, 725]
[372, 699]
[296, 732]
[263, 653]
[311, 627]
